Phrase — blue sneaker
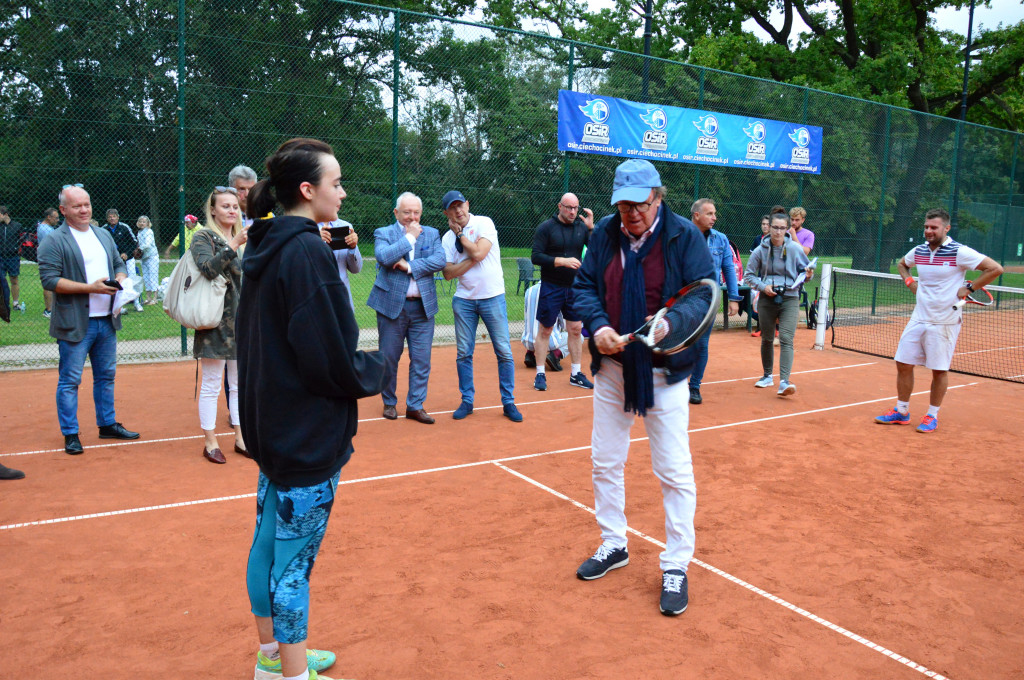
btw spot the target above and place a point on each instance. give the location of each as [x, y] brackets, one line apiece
[464, 409]
[893, 417]
[580, 380]
[603, 561]
[540, 383]
[674, 592]
[512, 413]
[928, 424]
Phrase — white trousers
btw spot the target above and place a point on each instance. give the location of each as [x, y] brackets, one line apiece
[209, 391]
[666, 424]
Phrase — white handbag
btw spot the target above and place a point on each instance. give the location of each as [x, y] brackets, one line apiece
[193, 300]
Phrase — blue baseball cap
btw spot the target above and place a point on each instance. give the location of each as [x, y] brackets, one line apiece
[634, 180]
[450, 198]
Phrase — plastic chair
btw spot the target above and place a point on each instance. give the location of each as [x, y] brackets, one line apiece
[526, 274]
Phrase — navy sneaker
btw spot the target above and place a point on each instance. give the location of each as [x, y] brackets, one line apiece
[695, 397]
[603, 561]
[530, 359]
[674, 595]
[540, 383]
[512, 413]
[554, 360]
[580, 380]
[464, 409]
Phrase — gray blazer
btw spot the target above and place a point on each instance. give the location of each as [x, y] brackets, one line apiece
[61, 258]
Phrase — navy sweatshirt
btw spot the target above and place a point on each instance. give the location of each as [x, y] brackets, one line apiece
[299, 372]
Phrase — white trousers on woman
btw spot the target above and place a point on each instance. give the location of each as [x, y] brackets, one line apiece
[209, 390]
[666, 424]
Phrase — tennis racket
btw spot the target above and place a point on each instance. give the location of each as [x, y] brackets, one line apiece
[976, 297]
[694, 308]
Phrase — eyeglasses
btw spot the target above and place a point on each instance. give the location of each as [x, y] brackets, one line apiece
[68, 186]
[225, 190]
[568, 207]
[626, 208]
[780, 228]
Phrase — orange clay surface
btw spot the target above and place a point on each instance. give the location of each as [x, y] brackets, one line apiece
[443, 560]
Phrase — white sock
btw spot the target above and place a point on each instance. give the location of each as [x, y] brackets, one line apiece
[575, 369]
[269, 650]
[540, 369]
[303, 676]
[933, 411]
[903, 406]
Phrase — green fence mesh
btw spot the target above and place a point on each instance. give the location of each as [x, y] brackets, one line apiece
[150, 103]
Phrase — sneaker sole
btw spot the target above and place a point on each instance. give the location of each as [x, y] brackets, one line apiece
[667, 612]
[788, 391]
[597, 576]
[892, 422]
[764, 386]
[582, 387]
[917, 429]
[541, 389]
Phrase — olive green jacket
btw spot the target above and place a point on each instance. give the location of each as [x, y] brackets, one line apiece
[215, 257]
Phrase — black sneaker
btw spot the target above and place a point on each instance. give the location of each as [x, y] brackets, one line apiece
[674, 595]
[10, 473]
[117, 431]
[554, 360]
[695, 397]
[530, 359]
[603, 561]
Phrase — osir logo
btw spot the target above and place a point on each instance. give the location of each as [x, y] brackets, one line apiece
[655, 118]
[756, 131]
[801, 154]
[596, 110]
[707, 145]
[801, 137]
[596, 132]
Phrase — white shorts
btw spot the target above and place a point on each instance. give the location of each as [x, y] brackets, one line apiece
[928, 344]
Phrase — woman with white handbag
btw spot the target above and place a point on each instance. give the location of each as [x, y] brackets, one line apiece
[217, 250]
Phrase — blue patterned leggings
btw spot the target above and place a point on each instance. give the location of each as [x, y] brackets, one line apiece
[283, 551]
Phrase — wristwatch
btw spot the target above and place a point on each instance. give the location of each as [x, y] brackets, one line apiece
[968, 285]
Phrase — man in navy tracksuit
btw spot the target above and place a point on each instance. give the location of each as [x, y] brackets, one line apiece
[634, 263]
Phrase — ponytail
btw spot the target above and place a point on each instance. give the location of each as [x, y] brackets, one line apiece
[261, 201]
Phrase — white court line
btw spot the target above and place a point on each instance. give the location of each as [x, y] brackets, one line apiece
[752, 588]
[446, 468]
[370, 420]
[982, 351]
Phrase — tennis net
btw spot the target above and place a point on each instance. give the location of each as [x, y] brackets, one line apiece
[871, 309]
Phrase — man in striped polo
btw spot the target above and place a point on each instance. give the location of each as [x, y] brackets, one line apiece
[930, 336]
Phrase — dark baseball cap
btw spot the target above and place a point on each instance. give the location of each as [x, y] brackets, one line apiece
[450, 198]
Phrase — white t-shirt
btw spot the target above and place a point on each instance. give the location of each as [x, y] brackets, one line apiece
[96, 267]
[940, 274]
[485, 279]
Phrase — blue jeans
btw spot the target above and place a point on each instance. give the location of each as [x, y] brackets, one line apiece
[468, 313]
[701, 362]
[100, 345]
[412, 324]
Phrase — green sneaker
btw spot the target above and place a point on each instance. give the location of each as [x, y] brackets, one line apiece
[316, 659]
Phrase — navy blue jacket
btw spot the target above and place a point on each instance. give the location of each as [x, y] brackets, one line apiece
[687, 259]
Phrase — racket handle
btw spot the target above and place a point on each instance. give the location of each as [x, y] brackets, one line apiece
[960, 303]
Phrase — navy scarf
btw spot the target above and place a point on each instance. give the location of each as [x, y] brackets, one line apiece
[637, 370]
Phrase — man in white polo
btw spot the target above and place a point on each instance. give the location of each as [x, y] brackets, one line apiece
[930, 336]
[472, 255]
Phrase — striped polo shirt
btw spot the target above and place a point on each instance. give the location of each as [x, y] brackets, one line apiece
[941, 273]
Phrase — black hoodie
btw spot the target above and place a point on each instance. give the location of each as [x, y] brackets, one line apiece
[299, 372]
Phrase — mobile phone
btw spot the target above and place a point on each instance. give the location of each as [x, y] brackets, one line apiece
[338, 235]
[113, 284]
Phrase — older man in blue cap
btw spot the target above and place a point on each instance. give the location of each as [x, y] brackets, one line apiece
[635, 262]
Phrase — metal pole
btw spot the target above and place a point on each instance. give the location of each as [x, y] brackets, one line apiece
[800, 182]
[565, 156]
[881, 211]
[696, 168]
[963, 116]
[1009, 204]
[648, 16]
[394, 106]
[181, 148]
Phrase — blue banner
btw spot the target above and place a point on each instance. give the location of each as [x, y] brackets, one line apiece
[617, 127]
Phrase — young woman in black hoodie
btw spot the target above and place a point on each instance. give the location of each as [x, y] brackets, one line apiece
[299, 378]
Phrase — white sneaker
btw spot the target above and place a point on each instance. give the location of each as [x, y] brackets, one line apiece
[786, 388]
[138, 305]
[766, 381]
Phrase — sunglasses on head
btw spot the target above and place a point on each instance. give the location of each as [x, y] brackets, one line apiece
[225, 190]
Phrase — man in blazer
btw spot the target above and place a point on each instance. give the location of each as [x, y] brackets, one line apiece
[405, 298]
[75, 262]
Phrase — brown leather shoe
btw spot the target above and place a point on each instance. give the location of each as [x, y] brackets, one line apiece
[244, 452]
[214, 456]
[420, 416]
[390, 412]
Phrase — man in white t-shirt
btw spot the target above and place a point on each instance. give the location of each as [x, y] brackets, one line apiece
[472, 255]
[76, 261]
[930, 336]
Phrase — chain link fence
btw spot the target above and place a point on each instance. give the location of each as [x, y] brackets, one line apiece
[149, 105]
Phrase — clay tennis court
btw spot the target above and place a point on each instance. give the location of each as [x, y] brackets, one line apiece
[827, 546]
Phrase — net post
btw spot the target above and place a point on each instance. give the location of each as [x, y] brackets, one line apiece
[823, 293]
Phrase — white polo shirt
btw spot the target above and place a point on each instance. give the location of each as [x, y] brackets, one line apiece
[940, 274]
[485, 279]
